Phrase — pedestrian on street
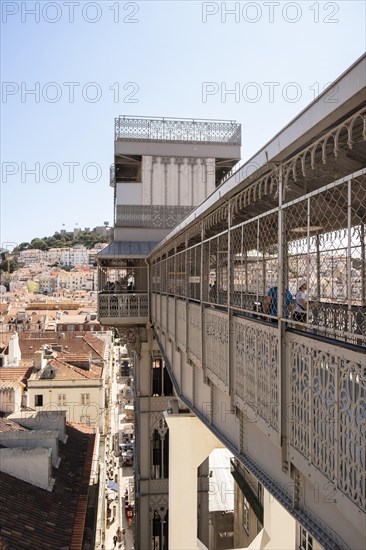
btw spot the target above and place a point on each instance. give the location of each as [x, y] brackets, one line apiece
[115, 541]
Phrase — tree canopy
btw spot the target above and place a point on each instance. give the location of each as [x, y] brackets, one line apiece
[62, 240]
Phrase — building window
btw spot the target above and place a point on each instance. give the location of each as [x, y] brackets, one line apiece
[160, 381]
[38, 400]
[160, 455]
[306, 540]
[85, 398]
[260, 498]
[159, 532]
[246, 509]
[85, 420]
[156, 455]
[61, 399]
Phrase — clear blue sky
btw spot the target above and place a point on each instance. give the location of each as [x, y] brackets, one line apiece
[167, 50]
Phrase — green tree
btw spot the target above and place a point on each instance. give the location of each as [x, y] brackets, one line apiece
[9, 266]
[39, 244]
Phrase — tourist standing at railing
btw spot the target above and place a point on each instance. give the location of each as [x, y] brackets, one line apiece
[213, 293]
[109, 286]
[270, 303]
[301, 303]
[117, 287]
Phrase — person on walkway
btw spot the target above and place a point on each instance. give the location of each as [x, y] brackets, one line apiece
[213, 292]
[270, 303]
[300, 312]
[115, 541]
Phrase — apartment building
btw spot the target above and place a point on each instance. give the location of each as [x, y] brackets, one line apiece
[69, 374]
[65, 256]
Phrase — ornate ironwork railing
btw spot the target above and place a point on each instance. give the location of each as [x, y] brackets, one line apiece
[112, 173]
[323, 245]
[327, 414]
[178, 130]
[324, 409]
[123, 305]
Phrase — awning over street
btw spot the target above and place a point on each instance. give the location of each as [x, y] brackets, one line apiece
[113, 485]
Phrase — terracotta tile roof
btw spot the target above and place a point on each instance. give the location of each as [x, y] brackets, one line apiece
[65, 371]
[20, 374]
[32, 518]
[75, 343]
[95, 343]
[10, 384]
[94, 372]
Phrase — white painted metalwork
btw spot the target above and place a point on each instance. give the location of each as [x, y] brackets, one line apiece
[123, 305]
[181, 324]
[171, 318]
[327, 397]
[215, 342]
[195, 333]
[178, 130]
[297, 386]
[256, 367]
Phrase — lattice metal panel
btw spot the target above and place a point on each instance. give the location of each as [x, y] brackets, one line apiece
[157, 277]
[328, 413]
[206, 131]
[222, 269]
[181, 323]
[153, 270]
[323, 392]
[153, 216]
[181, 274]
[123, 305]
[252, 277]
[216, 337]
[352, 430]
[237, 268]
[256, 366]
[164, 312]
[171, 317]
[164, 276]
[323, 244]
[206, 262]
[171, 275]
[194, 272]
[195, 331]
[153, 299]
[326, 240]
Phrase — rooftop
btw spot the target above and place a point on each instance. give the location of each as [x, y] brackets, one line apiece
[68, 371]
[181, 130]
[72, 343]
[15, 374]
[31, 517]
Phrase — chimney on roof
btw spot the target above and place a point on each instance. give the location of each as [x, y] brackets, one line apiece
[39, 360]
[14, 353]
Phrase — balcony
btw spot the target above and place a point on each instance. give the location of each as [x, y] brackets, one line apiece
[117, 309]
[177, 130]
